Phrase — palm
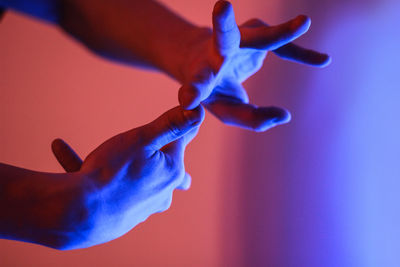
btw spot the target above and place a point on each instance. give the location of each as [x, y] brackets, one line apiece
[230, 55]
[243, 64]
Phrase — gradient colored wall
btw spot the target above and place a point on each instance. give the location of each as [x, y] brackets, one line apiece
[320, 191]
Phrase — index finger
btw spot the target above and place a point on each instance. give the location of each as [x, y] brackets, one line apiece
[297, 53]
[171, 126]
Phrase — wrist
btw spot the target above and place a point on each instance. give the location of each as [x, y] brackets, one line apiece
[42, 208]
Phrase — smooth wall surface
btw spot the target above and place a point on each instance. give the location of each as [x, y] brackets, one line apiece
[320, 191]
[324, 190]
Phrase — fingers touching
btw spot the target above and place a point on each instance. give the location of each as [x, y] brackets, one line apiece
[170, 134]
[191, 94]
[171, 126]
[228, 38]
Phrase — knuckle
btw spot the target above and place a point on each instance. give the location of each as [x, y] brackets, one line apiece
[204, 80]
[173, 125]
[177, 171]
[143, 135]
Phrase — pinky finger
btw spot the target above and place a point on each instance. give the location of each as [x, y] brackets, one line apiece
[247, 116]
[306, 56]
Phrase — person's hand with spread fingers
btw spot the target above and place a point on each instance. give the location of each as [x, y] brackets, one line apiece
[210, 63]
[133, 175]
[228, 55]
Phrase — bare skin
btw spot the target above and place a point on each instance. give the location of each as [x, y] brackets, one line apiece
[139, 169]
[120, 184]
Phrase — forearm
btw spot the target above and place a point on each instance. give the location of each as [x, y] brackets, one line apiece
[141, 33]
[137, 32]
[39, 207]
[43, 9]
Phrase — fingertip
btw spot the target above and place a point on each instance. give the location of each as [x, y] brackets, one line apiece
[56, 143]
[223, 16]
[170, 126]
[282, 116]
[189, 98]
[194, 116]
[304, 19]
[57, 140]
[269, 117]
[326, 61]
[66, 156]
[222, 7]
[301, 24]
[321, 60]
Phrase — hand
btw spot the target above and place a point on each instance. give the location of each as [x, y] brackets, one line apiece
[219, 61]
[133, 174]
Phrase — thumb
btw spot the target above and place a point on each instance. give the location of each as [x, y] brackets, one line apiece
[172, 125]
[66, 156]
[176, 149]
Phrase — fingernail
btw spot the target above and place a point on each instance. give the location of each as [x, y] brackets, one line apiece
[186, 99]
[195, 116]
[191, 116]
[303, 22]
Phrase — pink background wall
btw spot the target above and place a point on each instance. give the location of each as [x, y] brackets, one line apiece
[320, 191]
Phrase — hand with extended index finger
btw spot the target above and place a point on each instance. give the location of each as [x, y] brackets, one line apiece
[221, 59]
[132, 175]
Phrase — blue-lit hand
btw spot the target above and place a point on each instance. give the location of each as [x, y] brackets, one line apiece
[132, 175]
[219, 61]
